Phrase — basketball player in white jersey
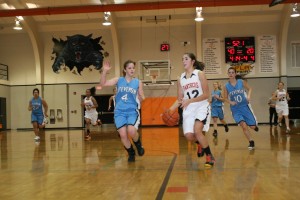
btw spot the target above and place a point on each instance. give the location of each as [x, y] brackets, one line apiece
[282, 107]
[91, 114]
[193, 94]
[112, 100]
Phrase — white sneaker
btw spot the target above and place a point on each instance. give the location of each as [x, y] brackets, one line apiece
[288, 130]
[37, 138]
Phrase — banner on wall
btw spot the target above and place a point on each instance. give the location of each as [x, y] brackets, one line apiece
[267, 50]
[243, 69]
[78, 52]
[212, 55]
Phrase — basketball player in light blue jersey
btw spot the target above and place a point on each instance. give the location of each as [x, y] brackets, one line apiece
[126, 114]
[38, 120]
[235, 94]
[217, 108]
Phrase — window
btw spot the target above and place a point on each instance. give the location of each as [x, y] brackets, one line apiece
[3, 72]
[296, 54]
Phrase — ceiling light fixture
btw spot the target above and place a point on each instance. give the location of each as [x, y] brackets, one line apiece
[199, 17]
[106, 21]
[295, 12]
[17, 25]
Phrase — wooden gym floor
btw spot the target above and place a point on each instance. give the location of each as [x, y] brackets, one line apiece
[64, 166]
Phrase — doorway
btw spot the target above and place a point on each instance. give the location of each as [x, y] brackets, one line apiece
[106, 116]
[2, 114]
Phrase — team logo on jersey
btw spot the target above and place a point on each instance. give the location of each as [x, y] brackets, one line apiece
[191, 85]
[235, 92]
[127, 89]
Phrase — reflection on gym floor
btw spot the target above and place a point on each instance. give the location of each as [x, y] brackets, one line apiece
[65, 166]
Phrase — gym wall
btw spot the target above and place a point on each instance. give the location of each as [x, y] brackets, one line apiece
[135, 43]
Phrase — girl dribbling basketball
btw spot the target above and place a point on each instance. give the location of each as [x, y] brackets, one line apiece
[126, 114]
[193, 96]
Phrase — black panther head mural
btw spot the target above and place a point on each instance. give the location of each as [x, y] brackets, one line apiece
[77, 51]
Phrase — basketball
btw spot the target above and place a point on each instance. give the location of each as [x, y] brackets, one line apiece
[170, 118]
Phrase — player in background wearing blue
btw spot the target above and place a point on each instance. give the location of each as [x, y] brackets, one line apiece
[38, 116]
[235, 94]
[217, 108]
[126, 114]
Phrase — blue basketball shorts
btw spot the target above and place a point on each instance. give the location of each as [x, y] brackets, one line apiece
[126, 118]
[37, 118]
[217, 111]
[244, 113]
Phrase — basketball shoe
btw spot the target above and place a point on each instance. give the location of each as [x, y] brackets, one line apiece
[210, 161]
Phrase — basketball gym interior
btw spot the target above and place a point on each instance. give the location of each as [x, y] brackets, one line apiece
[259, 38]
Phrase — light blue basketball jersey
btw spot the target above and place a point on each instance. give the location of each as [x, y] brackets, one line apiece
[237, 93]
[126, 97]
[37, 106]
[214, 101]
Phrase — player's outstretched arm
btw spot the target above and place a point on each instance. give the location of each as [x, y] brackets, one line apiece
[103, 82]
[174, 106]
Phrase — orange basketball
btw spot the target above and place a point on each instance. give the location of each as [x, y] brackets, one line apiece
[170, 118]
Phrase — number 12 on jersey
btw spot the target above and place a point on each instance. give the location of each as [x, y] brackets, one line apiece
[193, 94]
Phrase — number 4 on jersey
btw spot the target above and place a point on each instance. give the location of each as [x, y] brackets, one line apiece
[124, 97]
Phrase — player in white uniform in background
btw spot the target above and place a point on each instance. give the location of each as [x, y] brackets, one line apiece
[282, 107]
[193, 96]
[112, 100]
[91, 115]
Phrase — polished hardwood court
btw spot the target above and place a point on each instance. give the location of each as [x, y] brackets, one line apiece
[65, 166]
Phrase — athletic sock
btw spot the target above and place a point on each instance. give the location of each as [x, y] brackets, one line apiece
[207, 150]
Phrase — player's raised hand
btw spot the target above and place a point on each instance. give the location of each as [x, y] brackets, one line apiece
[106, 66]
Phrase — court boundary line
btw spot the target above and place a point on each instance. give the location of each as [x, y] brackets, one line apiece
[165, 182]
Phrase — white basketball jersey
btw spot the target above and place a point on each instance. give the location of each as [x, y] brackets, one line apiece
[192, 88]
[282, 98]
[89, 103]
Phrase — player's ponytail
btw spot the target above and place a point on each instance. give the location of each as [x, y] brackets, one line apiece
[197, 64]
[219, 85]
[92, 90]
